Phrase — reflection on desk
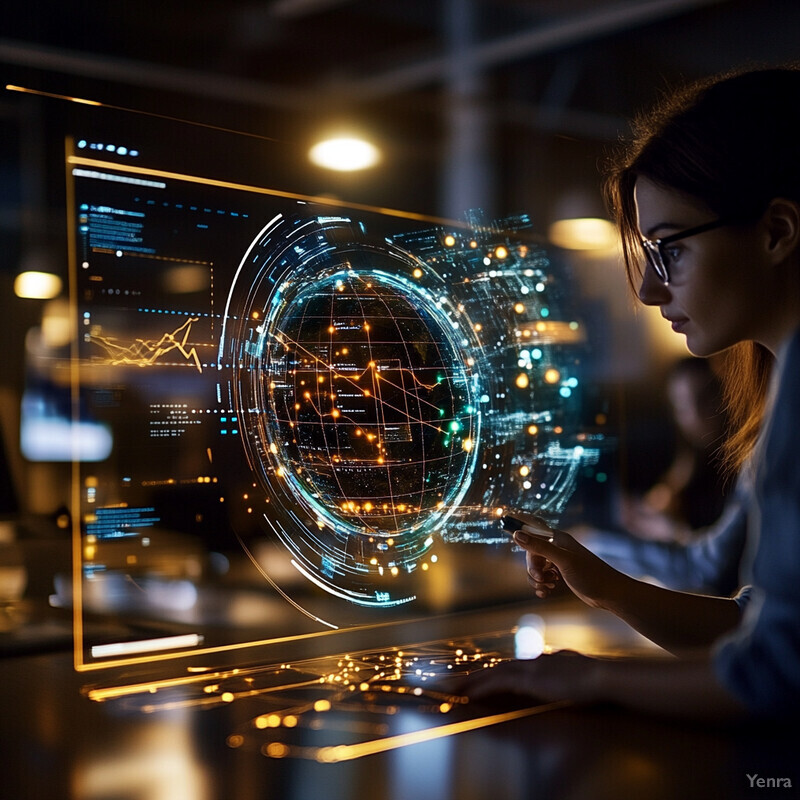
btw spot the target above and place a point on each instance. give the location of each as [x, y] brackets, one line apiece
[367, 722]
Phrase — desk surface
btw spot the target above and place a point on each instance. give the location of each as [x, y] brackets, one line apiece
[266, 732]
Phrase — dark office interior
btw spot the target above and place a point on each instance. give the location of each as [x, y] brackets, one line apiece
[181, 615]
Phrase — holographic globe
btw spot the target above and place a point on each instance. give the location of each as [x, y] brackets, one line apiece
[370, 409]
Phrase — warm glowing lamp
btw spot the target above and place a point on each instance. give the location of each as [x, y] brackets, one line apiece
[344, 154]
[37, 285]
[584, 233]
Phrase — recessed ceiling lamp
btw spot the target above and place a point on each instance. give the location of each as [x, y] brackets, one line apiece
[344, 154]
[585, 233]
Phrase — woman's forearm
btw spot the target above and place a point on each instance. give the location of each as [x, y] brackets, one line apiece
[677, 621]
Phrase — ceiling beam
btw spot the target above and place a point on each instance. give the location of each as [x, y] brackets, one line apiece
[538, 40]
[209, 85]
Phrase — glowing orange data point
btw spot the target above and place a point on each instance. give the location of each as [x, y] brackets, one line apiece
[501, 252]
[552, 375]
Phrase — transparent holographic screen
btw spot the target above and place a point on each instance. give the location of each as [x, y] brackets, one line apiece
[341, 393]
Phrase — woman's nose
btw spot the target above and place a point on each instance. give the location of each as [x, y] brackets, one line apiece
[652, 291]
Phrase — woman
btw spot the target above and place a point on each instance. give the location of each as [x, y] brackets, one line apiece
[708, 202]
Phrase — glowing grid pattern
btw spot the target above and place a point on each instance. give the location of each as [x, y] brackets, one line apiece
[358, 400]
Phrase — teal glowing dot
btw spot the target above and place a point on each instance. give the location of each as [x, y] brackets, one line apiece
[536, 354]
[454, 426]
[572, 383]
[545, 312]
[565, 391]
[441, 412]
[601, 477]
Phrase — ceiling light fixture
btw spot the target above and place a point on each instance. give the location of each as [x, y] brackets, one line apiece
[344, 154]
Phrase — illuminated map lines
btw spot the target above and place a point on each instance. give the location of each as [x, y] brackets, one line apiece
[361, 382]
[148, 352]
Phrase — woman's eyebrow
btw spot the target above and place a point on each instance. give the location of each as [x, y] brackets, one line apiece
[668, 226]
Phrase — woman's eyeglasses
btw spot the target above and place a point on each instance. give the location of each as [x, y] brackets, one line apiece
[655, 249]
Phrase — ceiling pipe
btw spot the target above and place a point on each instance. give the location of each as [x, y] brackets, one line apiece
[535, 41]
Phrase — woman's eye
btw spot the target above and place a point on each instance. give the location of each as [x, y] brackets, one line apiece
[672, 253]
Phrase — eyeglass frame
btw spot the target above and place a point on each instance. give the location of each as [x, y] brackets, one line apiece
[654, 252]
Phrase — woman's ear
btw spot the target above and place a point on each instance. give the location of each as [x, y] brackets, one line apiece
[782, 222]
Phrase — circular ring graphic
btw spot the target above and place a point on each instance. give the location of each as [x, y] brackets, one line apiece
[357, 401]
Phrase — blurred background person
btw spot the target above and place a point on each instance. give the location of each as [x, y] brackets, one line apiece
[689, 530]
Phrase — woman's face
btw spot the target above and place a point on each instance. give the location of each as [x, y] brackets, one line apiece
[716, 296]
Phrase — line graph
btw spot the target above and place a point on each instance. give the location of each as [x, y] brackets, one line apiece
[151, 352]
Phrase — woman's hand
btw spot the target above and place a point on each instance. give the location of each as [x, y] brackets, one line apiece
[678, 621]
[551, 553]
[561, 676]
